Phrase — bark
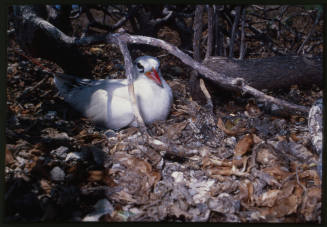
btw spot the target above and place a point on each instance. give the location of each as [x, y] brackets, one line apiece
[271, 73]
[197, 34]
[315, 125]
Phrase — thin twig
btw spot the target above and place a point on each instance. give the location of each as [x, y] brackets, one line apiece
[243, 44]
[210, 32]
[233, 34]
[310, 33]
[206, 94]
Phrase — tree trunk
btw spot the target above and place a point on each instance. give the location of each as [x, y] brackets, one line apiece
[40, 38]
[271, 73]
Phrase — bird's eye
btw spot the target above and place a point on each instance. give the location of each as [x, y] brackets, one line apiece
[140, 67]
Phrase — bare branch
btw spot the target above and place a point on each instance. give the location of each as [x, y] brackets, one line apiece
[197, 27]
[233, 34]
[310, 33]
[218, 34]
[243, 45]
[210, 31]
[206, 94]
[115, 38]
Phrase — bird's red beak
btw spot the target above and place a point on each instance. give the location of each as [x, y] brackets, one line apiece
[153, 75]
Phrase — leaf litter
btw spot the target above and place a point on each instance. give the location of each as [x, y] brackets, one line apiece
[240, 166]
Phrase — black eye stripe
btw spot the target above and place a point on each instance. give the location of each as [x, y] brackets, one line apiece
[139, 66]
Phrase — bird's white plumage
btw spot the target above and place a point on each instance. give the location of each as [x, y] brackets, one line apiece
[107, 102]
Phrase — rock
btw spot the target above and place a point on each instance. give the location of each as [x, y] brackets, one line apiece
[101, 208]
[60, 152]
[21, 161]
[178, 177]
[230, 141]
[50, 115]
[224, 204]
[74, 156]
[57, 174]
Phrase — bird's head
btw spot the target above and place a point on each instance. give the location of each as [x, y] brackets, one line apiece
[148, 66]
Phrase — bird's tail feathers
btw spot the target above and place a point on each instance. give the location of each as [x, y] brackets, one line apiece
[64, 83]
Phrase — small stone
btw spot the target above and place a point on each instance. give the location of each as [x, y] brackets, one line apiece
[101, 208]
[21, 161]
[60, 152]
[178, 177]
[230, 141]
[224, 203]
[57, 174]
[50, 115]
[74, 156]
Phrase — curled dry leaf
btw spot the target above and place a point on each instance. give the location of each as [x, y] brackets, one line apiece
[127, 169]
[311, 174]
[252, 110]
[268, 198]
[266, 158]
[174, 131]
[224, 204]
[9, 158]
[246, 192]
[229, 132]
[243, 145]
[225, 171]
[95, 175]
[45, 186]
[277, 172]
[311, 203]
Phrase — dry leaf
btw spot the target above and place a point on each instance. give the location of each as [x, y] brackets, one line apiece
[95, 175]
[9, 158]
[243, 145]
[311, 202]
[277, 172]
[268, 198]
[229, 132]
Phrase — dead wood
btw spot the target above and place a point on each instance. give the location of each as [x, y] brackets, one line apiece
[40, 38]
[271, 73]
